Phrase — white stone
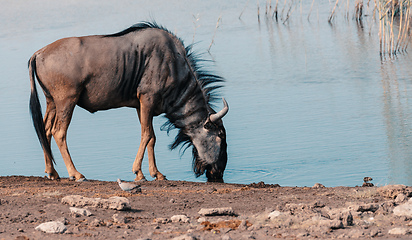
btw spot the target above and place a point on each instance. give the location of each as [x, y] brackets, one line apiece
[399, 231]
[80, 211]
[274, 214]
[116, 203]
[404, 209]
[180, 218]
[216, 211]
[52, 227]
[184, 237]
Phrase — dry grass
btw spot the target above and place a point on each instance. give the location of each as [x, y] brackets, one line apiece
[390, 17]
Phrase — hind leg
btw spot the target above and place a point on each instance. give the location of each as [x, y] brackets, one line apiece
[49, 118]
[64, 112]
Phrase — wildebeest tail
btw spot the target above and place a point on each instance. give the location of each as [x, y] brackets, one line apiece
[35, 110]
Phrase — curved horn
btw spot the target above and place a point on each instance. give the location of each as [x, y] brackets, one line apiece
[216, 116]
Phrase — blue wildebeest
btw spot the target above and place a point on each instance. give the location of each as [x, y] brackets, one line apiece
[145, 67]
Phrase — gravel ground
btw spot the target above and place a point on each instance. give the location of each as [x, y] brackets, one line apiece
[176, 210]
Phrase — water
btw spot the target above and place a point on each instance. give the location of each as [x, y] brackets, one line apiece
[309, 101]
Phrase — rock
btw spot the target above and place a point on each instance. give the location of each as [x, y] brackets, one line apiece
[369, 207]
[63, 220]
[319, 223]
[318, 185]
[367, 179]
[367, 184]
[374, 233]
[332, 224]
[201, 219]
[108, 223]
[399, 231]
[401, 198]
[52, 227]
[116, 203]
[180, 218]
[80, 211]
[119, 219]
[22, 238]
[216, 211]
[355, 233]
[274, 214]
[161, 220]
[342, 214]
[184, 237]
[391, 191]
[243, 225]
[96, 223]
[226, 237]
[404, 209]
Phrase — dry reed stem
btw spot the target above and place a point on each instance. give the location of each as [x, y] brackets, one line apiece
[311, 6]
[333, 11]
[196, 26]
[275, 12]
[244, 9]
[214, 34]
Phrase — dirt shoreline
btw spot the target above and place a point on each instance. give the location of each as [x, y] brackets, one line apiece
[259, 211]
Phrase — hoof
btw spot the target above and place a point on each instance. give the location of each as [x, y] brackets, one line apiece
[83, 179]
[51, 177]
[141, 180]
[161, 178]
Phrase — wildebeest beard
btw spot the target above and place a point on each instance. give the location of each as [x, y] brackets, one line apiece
[214, 171]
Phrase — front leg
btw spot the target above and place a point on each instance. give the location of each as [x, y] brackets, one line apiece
[137, 164]
[148, 139]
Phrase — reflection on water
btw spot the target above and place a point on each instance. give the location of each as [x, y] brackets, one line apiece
[397, 117]
[309, 101]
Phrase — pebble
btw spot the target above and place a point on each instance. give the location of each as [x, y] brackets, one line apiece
[400, 231]
[242, 225]
[119, 219]
[404, 209]
[184, 237]
[391, 191]
[274, 214]
[115, 203]
[96, 223]
[52, 227]
[161, 220]
[318, 185]
[216, 211]
[180, 218]
[80, 212]
[400, 198]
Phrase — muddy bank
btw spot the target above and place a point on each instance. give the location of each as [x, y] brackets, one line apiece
[177, 209]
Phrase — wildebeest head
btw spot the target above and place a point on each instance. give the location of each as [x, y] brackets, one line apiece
[209, 146]
[208, 138]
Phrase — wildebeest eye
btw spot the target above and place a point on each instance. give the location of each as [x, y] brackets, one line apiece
[209, 125]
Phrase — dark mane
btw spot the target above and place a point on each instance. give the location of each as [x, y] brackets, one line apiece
[137, 27]
[207, 80]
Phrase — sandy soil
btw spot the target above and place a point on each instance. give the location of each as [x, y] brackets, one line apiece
[261, 211]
